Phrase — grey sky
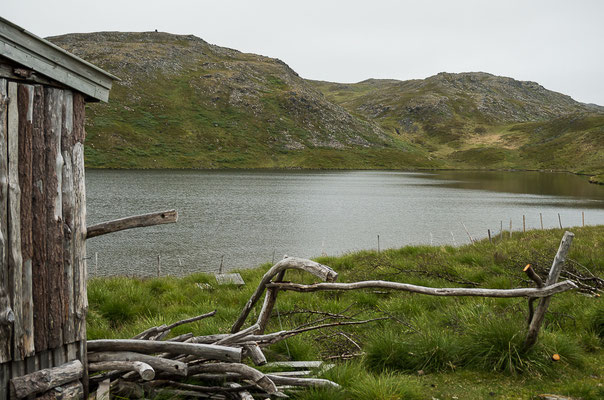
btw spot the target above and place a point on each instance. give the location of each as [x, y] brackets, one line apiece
[559, 44]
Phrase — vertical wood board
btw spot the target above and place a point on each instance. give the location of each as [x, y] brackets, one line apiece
[5, 328]
[39, 265]
[15, 261]
[26, 104]
[54, 222]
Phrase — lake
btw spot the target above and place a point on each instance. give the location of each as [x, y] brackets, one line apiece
[242, 218]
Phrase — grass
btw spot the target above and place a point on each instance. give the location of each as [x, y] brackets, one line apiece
[432, 347]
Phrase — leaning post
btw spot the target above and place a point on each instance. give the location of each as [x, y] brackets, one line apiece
[554, 274]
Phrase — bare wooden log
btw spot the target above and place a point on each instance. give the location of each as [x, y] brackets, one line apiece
[254, 352]
[72, 391]
[530, 272]
[7, 316]
[505, 293]
[243, 394]
[15, 259]
[138, 221]
[181, 338]
[247, 372]
[269, 302]
[554, 274]
[45, 379]
[308, 382]
[26, 104]
[319, 270]
[236, 337]
[145, 371]
[160, 364]
[207, 351]
[197, 388]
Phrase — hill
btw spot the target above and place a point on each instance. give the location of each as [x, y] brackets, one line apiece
[185, 103]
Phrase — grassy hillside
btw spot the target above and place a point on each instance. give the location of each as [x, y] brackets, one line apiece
[185, 103]
[431, 347]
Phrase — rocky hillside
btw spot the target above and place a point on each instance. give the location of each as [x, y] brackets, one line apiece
[183, 102]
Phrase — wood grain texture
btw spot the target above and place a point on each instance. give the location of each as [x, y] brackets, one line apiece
[138, 221]
[54, 217]
[45, 379]
[71, 391]
[26, 105]
[5, 308]
[68, 203]
[15, 260]
[39, 266]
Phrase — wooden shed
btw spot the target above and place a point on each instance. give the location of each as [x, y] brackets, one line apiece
[43, 301]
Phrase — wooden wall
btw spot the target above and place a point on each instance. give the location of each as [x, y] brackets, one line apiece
[43, 299]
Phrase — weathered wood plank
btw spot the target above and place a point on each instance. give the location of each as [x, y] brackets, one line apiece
[79, 219]
[15, 261]
[54, 216]
[45, 379]
[26, 105]
[68, 202]
[39, 266]
[5, 310]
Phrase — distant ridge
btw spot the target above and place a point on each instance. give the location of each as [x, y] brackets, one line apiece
[185, 103]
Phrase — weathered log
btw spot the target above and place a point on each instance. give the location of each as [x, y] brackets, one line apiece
[321, 271]
[554, 274]
[530, 272]
[236, 337]
[270, 298]
[247, 372]
[138, 221]
[145, 371]
[181, 338]
[242, 393]
[254, 352]
[46, 379]
[26, 104]
[207, 351]
[197, 388]
[294, 381]
[72, 391]
[505, 293]
[160, 364]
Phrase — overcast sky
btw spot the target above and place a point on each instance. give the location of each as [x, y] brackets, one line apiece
[559, 44]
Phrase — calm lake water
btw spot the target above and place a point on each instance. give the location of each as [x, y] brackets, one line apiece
[248, 217]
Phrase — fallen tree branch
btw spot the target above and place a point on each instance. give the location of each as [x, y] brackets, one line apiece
[156, 218]
[148, 333]
[46, 379]
[319, 270]
[247, 372]
[506, 293]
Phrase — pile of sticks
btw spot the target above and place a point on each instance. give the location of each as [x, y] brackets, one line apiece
[147, 363]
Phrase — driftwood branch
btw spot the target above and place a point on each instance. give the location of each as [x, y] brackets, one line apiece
[157, 363]
[247, 372]
[145, 371]
[293, 381]
[254, 352]
[46, 379]
[319, 270]
[554, 274]
[138, 221]
[153, 331]
[207, 351]
[521, 292]
[530, 272]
